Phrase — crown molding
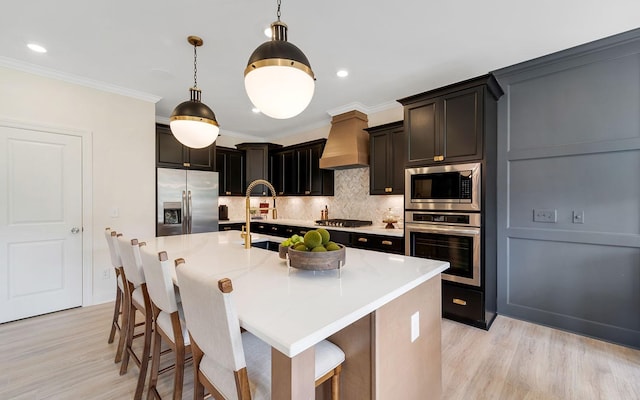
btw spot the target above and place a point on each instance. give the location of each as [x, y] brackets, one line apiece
[75, 79]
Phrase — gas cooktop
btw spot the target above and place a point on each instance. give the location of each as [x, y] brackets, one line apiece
[345, 223]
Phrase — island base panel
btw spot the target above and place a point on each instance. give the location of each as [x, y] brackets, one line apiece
[356, 378]
[293, 378]
[405, 369]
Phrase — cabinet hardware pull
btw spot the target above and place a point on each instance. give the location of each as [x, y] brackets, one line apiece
[274, 228]
[227, 193]
[289, 230]
[186, 164]
[307, 192]
[226, 228]
[387, 242]
[459, 302]
[261, 226]
[363, 240]
[303, 232]
[280, 193]
[438, 158]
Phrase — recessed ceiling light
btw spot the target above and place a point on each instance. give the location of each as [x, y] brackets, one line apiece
[37, 48]
[256, 110]
[342, 73]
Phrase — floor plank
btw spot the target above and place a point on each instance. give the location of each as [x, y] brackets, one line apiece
[65, 355]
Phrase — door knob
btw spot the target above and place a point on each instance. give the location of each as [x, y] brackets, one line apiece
[75, 230]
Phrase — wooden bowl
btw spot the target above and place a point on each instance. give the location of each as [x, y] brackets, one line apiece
[317, 261]
[282, 251]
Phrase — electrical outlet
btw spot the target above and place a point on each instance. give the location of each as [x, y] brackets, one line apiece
[106, 274]
[578, 217]
[540, 215]
[415, 326]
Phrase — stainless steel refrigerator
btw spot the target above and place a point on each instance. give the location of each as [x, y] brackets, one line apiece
[187, 201]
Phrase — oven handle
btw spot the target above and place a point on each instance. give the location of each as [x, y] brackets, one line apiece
[469, 231]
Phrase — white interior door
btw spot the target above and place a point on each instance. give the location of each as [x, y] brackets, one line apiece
[40, 222]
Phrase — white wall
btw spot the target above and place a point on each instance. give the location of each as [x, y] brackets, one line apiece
[123, 137]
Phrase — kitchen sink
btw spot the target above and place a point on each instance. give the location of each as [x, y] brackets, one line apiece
[266, 244]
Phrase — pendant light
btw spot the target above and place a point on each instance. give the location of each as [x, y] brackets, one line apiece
[192, 122]
[278, 78]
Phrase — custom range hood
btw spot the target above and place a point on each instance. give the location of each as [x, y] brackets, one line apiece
[348, 143]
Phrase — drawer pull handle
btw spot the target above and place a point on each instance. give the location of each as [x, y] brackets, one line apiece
[388, 190]
[459, 302]
[227, 193]
[227, 228]
[363, 240]
[289, 230]
[274, 228]
[307, 192]
[438, 158]
[303, 232]
[387, 242]
[261, 226]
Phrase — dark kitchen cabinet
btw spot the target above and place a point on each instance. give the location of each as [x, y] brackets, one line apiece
[447, 124]
[387, 244]
[387, 158]
[230, 167]
[295, 170]
[170, 153]
[463, 304]
[257, 165]
[311, 179]
[284, 172]
[236, 226]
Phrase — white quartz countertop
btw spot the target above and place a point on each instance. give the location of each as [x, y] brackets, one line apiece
[293, 309]
[375, 229]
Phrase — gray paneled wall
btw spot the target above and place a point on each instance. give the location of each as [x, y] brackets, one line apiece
[569, 148]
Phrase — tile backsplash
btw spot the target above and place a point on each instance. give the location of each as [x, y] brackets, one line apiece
[351, 200]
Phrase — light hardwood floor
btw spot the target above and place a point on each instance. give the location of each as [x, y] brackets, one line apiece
[65, 355]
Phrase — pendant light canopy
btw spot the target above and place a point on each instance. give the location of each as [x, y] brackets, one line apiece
[192, 122]
[278, 78]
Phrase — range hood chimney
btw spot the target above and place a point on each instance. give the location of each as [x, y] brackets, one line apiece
[348, 143]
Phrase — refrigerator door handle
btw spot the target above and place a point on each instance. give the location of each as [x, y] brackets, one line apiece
[185, 213]
[189, 207]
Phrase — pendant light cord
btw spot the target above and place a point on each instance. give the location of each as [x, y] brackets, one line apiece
[195, 66]
[278, 14]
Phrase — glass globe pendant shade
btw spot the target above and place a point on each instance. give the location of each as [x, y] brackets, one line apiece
[193, 123]
[278, 78]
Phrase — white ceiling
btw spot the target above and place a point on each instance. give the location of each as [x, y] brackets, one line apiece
[392, 49]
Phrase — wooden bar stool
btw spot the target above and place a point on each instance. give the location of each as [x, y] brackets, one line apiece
[137, 301]
[168, 321]
[228, 363]
[117, 322]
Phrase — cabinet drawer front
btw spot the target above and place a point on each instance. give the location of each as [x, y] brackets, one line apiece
[379, 243]
[462, 302]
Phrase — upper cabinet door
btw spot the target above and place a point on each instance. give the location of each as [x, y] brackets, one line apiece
[230, 167]
[462, 125]
[447, 125]
[170, 153]
[423, 131]
[387, 157]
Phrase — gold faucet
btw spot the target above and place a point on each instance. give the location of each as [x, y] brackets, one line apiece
[246, 229]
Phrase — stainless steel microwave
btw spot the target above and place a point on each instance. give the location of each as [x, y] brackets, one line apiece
[443, 187]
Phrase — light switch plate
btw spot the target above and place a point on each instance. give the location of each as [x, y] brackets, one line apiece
[578, 216]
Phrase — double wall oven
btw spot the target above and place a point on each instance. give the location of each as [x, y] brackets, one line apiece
[443, 218]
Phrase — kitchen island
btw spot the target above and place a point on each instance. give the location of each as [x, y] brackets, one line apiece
[383, 310]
